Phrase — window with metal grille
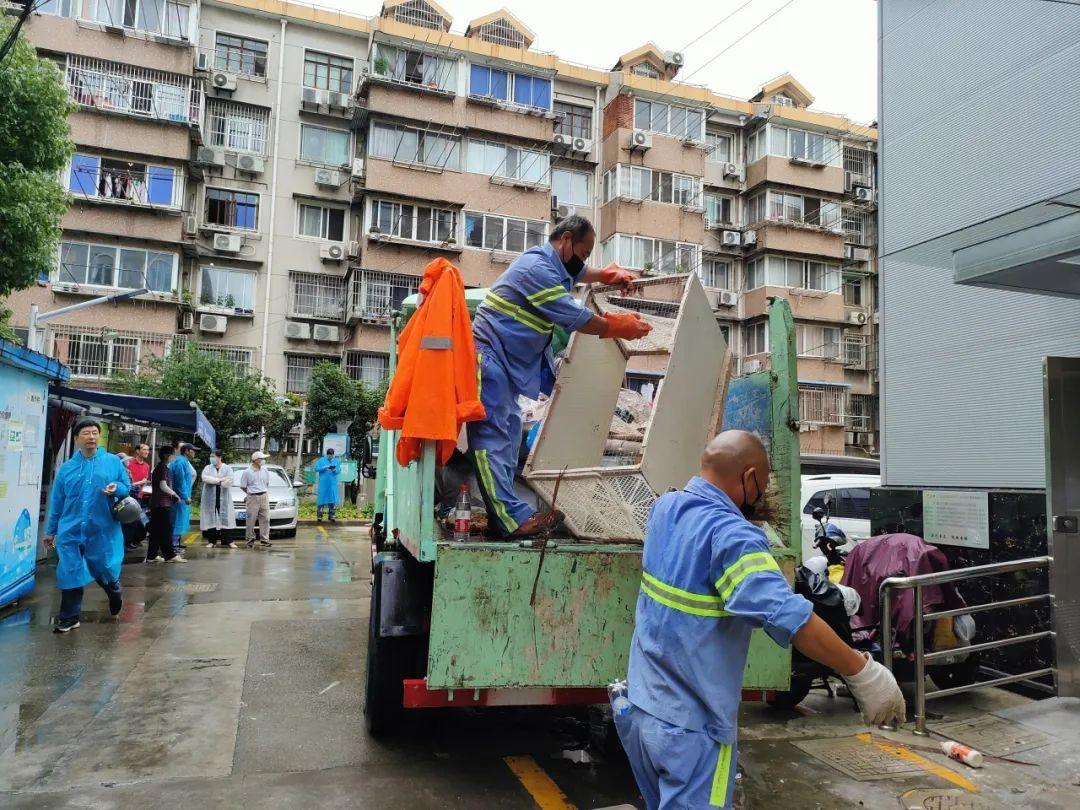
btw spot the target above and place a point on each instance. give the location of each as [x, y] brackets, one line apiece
[101, 353]
[115, 266]
[491, 232]
[862, 412]
[574, 120]
[240, 54]
[500, 32]
[317, 221]
[317, 295]
[325, 71]
[238, 356]
[232, 209]
[237, 127]
[129, 90]
[417, 12]
[858, 225]
[859, 166]
[373, 295]
[855, 347]
[298, 369]
[370, 369]
[647, 69]
[819, 405]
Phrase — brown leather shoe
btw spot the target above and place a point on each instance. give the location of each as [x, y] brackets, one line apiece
[539, 523]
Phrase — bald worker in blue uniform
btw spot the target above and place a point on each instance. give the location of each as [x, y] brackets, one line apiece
[708, 580]
[513, 328]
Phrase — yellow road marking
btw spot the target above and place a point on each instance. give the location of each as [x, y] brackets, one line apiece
[543, 790]
[322, 531]
[907, 754]
[189, 538]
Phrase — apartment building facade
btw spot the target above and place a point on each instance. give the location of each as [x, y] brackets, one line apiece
[279, 175]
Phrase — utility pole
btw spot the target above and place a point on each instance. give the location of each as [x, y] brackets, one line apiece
[37, 317]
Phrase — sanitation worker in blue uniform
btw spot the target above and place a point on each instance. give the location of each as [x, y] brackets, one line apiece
[708, 580]
[513, 329]
[183, 474]
[88, 539]
[329, 470]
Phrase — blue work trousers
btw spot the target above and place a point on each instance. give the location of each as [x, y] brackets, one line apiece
[71, 599]
[676, 768]
[494, 445]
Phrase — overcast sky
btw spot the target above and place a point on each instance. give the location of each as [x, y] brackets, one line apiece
[828, 45]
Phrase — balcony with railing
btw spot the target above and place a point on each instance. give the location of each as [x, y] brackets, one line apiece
[374, 296]
[97, 353]
[121, 89]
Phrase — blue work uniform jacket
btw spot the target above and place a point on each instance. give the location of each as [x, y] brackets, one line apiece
[328, 470]
[517, 318]
[183, 475]
[708, 580]
[89, 541]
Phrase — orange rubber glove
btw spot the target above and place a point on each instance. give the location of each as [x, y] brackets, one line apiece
[616, 276]
[626, 325]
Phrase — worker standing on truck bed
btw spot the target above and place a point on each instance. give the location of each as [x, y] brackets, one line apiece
[709, 579]
[513, 329]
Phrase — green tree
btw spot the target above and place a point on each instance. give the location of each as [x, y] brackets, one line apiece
[236, 403]
[368, 401]
[331, 399]
[35, 145]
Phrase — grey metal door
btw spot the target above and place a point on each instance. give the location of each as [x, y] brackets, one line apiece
[1062, 396]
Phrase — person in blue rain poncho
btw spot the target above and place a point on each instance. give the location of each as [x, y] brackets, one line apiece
[708, 580]
[183, 475]
[329, 470]
[88, 539]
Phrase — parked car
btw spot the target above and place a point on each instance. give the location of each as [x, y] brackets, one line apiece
[846, 500]
[284, 501]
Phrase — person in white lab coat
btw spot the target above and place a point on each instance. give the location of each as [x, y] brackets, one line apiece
[216, 511]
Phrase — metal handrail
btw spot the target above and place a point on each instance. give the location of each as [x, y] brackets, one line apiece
[917, 583]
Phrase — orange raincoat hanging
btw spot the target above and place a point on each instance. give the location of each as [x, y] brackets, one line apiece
[434, 390]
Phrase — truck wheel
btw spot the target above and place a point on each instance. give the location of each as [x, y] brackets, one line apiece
[389, 662]
[800, 688]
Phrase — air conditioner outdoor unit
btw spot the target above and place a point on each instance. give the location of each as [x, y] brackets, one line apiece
[358, 167]
[640, 139]
[582, 145]
[749, 237]
[863, 194]
[565, 141]
[334, 252]
[213, 323]
[338, 101]
[859, 318]
[731, 239]
[326, 334]
[328, 178]
[674, 58]
[227, 243]
[221, 80]
[250, 164]
[732, 170]
[727, 298]
[354, 250]
[187, 321]
[210, 156]
[856, 253]
[310, 97]
[294, 330]
[65, 286]
[562, 210]
[191, 225]
[751, 366]
[203, 62]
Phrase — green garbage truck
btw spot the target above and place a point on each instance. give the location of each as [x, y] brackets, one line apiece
[548, 622]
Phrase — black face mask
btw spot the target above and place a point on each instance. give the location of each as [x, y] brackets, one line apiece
[749, 509]
[574, 265]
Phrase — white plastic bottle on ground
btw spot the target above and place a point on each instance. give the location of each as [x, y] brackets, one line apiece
[961, 753]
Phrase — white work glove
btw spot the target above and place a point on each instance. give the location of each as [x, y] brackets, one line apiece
[878, 694]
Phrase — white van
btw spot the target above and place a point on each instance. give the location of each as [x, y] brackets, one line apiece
[845, 498]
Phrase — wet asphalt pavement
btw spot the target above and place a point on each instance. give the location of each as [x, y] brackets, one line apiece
[237, 680]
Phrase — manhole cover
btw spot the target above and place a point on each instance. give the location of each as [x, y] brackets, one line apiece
[859, 760]
[942, 800]
[993, 735]
[189, 587]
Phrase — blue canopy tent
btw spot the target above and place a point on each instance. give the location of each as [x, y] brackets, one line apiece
[173, 414]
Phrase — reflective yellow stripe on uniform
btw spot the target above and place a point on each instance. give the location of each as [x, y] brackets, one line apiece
[550, 294]
[746, 565]
[479, 375]
[488, 480]
[696, 604]
[721, 777]
[500, 304]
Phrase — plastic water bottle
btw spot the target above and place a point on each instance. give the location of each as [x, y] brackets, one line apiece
[620, 703]
[463, 515]
[961, 753]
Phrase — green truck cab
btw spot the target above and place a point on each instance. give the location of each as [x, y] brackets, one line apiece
[471, 624]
